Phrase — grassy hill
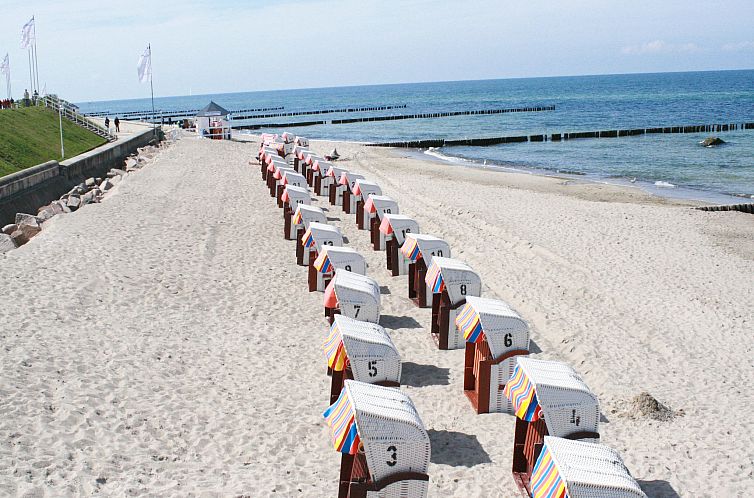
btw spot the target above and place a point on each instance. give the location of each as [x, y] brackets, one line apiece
[30, 136]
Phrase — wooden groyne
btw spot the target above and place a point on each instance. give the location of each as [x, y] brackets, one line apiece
[557, 137]
[431, 115]
[744, 208]
[169, 114]
[259, 126]
[321, 111]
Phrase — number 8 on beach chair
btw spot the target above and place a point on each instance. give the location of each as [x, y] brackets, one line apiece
[549, 399]
[385, 447]
[317, 236]
[353, 295]
[360, 351]
[348, 182]
[574, 469]
[393, 230]
[375, 208]
[418, 250]
[495, 335]
[361, 191]
[290, 178]
[331, 185]
[332, 258]
[451, 281]
[302, 217]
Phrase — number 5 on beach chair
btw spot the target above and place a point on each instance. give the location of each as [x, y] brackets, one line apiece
[495, 335]
[385, 447]
[317, 236]
[394, 228]
[348, 182]
[451, 281]
[353, 295]
[549, 399]
[418, 251]
[361, 191]
[360, 351]
[334, 258]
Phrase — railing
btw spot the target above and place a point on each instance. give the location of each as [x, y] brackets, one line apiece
[69, 112]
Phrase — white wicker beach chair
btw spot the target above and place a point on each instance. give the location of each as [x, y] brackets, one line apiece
[300, 221]
[353, 295]
[348, 181]
[319, 169]
[289, 178]
[450, 281]
[317, 236]
[310, 159]
[581, 470]
[276, 182]
[393, 230]
[331, 185]
[548, 398]
[375, 208]
[360, 351]
[288, 137]
[299, 158]
[418, 250]
[301, 141]
[385, 447]
[361, 192]
[292, 196]
[332, 258]
[495, 335]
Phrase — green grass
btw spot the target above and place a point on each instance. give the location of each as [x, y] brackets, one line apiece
[31, 136]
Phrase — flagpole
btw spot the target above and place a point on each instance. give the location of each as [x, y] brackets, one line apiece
[151, 87]
[60, 121]
[31, 77]
[36, 62]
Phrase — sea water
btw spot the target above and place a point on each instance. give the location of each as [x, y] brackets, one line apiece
[667, 163]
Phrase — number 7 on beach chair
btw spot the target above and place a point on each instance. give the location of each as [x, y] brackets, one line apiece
[333, 258]
[353, 295]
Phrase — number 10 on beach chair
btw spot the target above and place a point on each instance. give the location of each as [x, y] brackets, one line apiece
[360, 351]
[394, 228]
[495, 335]
[385, 447]
[333, 258]
[549, 399]
[451, 281]
[418, 251]
[353, 295]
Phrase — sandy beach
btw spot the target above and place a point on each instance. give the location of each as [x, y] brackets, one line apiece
[163, 342]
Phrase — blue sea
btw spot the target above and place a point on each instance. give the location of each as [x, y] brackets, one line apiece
[673, 165]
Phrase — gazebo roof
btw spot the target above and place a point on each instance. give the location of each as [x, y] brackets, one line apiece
[212, 109]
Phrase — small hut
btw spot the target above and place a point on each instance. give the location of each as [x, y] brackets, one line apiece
[213, 122]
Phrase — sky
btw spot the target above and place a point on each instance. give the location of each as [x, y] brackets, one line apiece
[88, 50]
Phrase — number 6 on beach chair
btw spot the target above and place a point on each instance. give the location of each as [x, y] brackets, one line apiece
[549, 399]
[394, 228]
[495, 335]
[385, 446]
[302, 217]
[575, 469]
[317, 236]
[361, 191]
[418, 251]
[333, 258]
[451, 281]
[353, 295]
[348, 182]
[360, 351]
[375, 208]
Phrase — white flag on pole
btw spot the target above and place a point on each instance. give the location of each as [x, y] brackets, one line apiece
[5, 65]
[145, 65]
[27, 34]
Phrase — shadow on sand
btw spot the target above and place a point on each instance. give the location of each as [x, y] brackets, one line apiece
[456, 449]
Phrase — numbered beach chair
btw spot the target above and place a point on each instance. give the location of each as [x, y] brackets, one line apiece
[276, 179]
[353, 295]
[290, 178]
[549, 399]
[418, 251]
[360, 351]
[302, 142]
[303, 216]
[292, 197]
[348, 181]
[273, 162]
[311, 160]
[375, 208]
[385, 447]
[576, 469]
[266, 156]
[267, 138]
[331, 183]
[495, 335]
[451, 282]
[288, 137]
[317, 236]
[299, 157]
[393, 230]
[333, 258]
[361, 192]
[319, 170]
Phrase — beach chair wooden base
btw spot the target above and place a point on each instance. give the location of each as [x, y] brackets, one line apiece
[527, 445]
[392, 257]
[375, 234]
[272, 184]
[355, 480]
[330, 314]
[287, 220]
[347, 201]
[477, 386]
[314, 277]
[332, 195]
[417, 288]
[263, 169]
[441, 308]
[318, 185]
[299, 248]
[360, 214]
[339, 378]
[279, 195]
[297, 165]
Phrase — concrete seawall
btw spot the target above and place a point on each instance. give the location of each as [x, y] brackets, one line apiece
[28, 190]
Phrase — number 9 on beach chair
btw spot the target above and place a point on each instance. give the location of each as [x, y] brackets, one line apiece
[331, 185]
[360, 351]
[418, 251]
[317, 236]
[451, 281]
[290, 178]
[333, 258]
[348, 181]
[393, 230]
[495, 335]
[574, 469]
[385, 447]
[375, 208]
[361, 192]
[549, 399]
[353, 295]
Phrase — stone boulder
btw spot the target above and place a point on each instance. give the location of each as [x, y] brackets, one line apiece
[6, 243]
[73, 202]
[26, 219]
[24, 234]
[45, 214]
[105, 185]
[712, 142]
[89, 183]
[9, 229]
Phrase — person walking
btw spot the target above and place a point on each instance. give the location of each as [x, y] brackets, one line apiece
[117, 124]
[107, 124]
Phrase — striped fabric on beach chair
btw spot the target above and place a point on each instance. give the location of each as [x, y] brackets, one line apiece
[303, 216]
[316, 237]
[332, 258]
[417, 251]
[394, 228]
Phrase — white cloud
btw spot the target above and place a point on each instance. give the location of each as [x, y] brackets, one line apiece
[744, 46]
[660, 47]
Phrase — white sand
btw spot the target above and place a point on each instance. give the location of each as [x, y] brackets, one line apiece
[164, 343]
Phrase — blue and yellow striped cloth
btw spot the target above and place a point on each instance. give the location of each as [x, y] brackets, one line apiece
[334, 350]
[341, 418]
[469, 323]
[520, 391]
[545, 478]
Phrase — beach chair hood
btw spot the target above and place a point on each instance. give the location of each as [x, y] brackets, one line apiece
[345, 258]
[398, 225]
[296, 195]
[357, 296]
[380, 205]
[454, 276]
[494, 320]
[364, 188]
[293, 178]
[418, 246]
[320, 235]
[335, 171]
[349, 179]
[305, 215]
